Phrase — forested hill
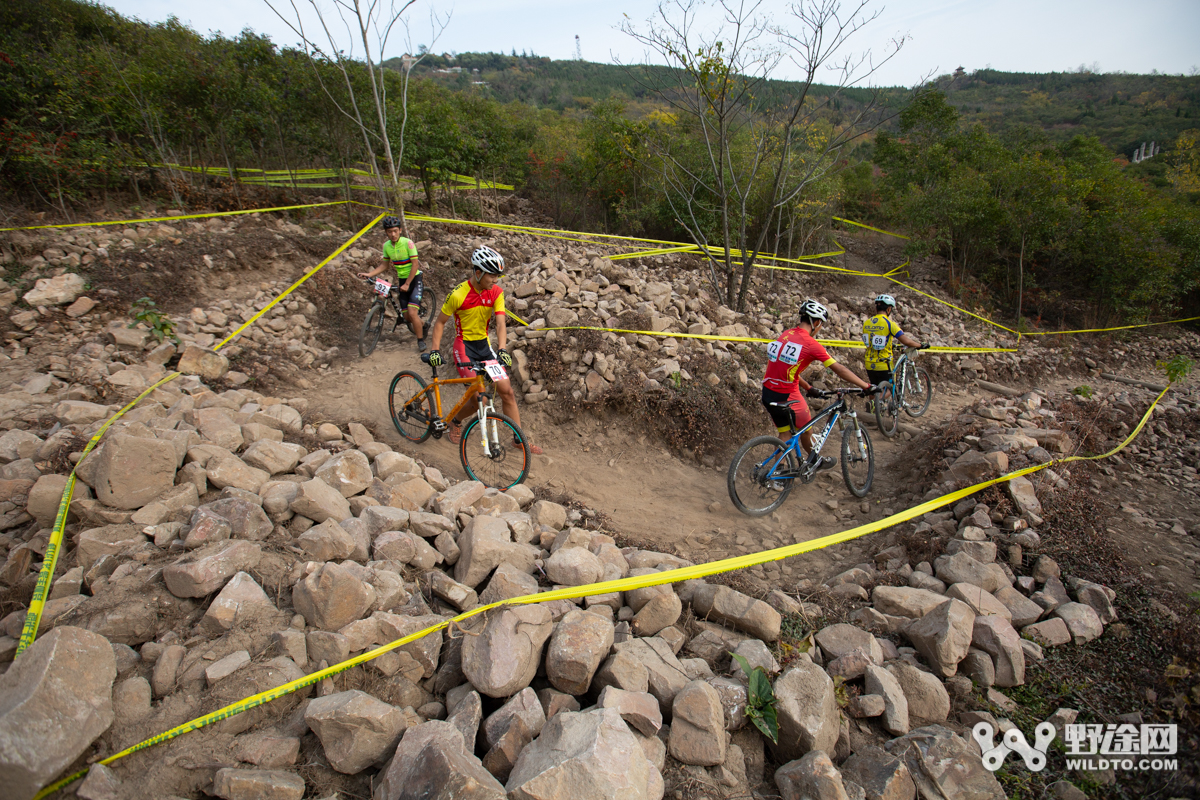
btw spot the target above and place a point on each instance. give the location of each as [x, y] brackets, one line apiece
[1121, 110]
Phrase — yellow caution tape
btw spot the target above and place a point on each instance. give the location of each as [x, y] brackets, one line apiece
[945, 303]
[603, 587]
[1105, 330]
[172, 219]
[33, 617]
[868, 227]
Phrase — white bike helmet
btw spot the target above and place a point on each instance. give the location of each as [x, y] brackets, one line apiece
[811, 310]
[886, 299]
[488, 260]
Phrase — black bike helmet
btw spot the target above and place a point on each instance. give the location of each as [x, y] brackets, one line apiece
[488, 260]
[391, 222]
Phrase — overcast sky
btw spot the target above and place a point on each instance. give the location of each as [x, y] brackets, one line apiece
[1009, 35]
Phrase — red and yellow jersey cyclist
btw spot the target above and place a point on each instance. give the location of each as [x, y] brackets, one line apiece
[474, 305]
[787, 357]
[400, 253]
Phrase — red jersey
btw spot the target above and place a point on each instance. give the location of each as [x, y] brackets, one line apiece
[788, 356]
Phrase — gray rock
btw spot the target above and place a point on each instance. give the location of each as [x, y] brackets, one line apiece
[723, 604]
[581, 641]
[882, 776]
[943, 635]
[812, 777]
[257, 784]
[878, 680]
[943, 765]
[996, 637]
[61, 685]
[807, 711]
[1082, 621]
[589, 756]
[927, 698]
[902, 601]
[697, 726]
[355, 729]
[503, 659]
[432, 762]
[331, 597]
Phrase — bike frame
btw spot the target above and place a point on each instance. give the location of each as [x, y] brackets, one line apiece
[833, 413]
[478, 388]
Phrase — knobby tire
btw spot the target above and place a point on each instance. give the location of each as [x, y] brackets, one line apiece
[507, 465]
[859, 483]
[751, 494]
[372, 329]
[918, 391]
[412, 418]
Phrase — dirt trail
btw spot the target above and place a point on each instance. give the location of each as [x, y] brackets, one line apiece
[651, 496]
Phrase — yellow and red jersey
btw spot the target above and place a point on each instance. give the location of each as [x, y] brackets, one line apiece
[473, 310]
[788, 356]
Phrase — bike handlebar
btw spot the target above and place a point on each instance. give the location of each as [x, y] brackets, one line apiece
[827, 393]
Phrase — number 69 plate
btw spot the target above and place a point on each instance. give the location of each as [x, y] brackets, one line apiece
[495, 370]
[382, 287]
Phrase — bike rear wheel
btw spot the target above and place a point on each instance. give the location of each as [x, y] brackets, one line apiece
[372, 328]
[411, 408]
[918, 391]
[505, 461]
[749, 488]
[887, 411]
[858, 462]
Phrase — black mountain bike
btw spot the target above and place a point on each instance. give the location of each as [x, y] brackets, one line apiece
[766, 468]
[910, 390]
[372, 326]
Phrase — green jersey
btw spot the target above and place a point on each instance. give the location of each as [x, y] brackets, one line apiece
[401, 254]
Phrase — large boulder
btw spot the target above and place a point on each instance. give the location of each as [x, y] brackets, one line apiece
[132, 471]
[812, 777]
[432, 762]
[355, 729]
[585, 756]
[997, 637]
[882, 776]
[697, 726]
[349, 472]
[203, 571]
[56, 291]
[503, 658]
[927, 697]
[242, 598]
[55, 700]
[665, 675]
[331, 597]
[319, 501]
[807, 711]
[581, 640]
[271, 457]
[943, 765]
[208, 364]
[902, 601]
[943, 636]
[720, 603]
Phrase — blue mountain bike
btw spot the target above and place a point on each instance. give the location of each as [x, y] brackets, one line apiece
[765, 469]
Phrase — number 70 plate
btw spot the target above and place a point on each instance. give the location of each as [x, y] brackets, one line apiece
[495, 370]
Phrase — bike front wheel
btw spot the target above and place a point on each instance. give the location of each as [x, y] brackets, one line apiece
[887, 412]
[750, 487]
[372, 328]
[410, 406]
[918, 391]
[858, 461]
[495, 453]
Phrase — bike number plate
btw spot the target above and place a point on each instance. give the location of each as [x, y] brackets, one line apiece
[382, 287]
[879, 342]
[495, 370]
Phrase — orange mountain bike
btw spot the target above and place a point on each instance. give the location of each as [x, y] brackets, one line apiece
[494, 450]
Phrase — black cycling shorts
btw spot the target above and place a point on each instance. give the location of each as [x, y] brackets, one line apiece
[878, 376]
[474, 350]
[793, 413]
[411, 298]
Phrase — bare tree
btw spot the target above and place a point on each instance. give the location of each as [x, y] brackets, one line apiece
[369, 24]
[745, 145]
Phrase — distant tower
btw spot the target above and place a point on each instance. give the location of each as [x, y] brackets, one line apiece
[578, 50]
